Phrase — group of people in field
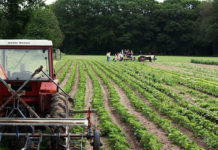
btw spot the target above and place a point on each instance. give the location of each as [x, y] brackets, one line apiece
[123, 55]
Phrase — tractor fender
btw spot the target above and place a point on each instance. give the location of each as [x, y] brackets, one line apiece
[48, 88]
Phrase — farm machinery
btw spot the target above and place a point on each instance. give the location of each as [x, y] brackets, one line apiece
[33, 108]
[142, 58]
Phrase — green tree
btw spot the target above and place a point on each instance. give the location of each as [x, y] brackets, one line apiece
[3, 24]
[17, 14]
[174, 27]
[213, 27]
[203, 45]
[44, 25]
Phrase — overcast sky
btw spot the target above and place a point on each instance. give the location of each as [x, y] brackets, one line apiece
[52, 1]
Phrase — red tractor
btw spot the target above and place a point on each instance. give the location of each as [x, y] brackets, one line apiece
[31, 106]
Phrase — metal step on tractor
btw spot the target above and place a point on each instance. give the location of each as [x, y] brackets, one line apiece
[31, 107]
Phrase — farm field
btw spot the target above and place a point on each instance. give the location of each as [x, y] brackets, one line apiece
[170, 104]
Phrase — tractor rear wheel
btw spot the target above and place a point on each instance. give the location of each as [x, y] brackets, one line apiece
[58, 110]
[97, 143]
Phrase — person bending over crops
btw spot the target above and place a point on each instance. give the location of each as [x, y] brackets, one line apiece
[115, 57]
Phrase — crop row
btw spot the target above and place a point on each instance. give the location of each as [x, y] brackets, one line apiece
[108, 128]
[207, 62]
[173, 134]
[80, 96]
[161, 91]
[60, 65]
[182, 104]
[78, 103]
[201, 99]
[171, 78]
[148, 140]
[177, 97]
[160, 77]
[193, 71]
[175, 112]
[70, 81]
[64, 72]
[204, 77]
[147, 85]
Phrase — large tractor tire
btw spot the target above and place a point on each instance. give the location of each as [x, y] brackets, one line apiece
[96, 142]
[58, 110]
[141, 58]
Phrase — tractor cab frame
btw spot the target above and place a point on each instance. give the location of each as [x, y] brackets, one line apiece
[30, 104]
[18, 61]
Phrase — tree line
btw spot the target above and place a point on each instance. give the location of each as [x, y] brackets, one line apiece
[174, 27]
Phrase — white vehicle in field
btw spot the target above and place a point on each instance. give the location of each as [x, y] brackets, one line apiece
[146, 57]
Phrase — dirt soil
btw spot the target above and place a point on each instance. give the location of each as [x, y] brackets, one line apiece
[151, 127]
[89, 92]
[88, 100]
[174, 124]
[125, 129]
[184, 95]
[173, 68]
[63, 83]
[58, 74]
[76, 82]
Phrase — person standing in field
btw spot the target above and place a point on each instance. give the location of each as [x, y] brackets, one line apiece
[108, 56]
[118, 56]
[121, 57]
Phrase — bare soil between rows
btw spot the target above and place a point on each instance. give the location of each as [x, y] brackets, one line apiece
[199, 141]
[190, 135]
[76, 82]
[151, 127]
[106, 144]
[88, 99]
[58, 74]
[174, 69]
[63, 83]
[116, 119]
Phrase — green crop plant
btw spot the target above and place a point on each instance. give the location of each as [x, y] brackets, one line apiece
[207, 62]
[64, 72]
[148, 140]
[59, 65]
[176, 113]
[108, 128]
[70, 81]
[173, 134]
[161, 91]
